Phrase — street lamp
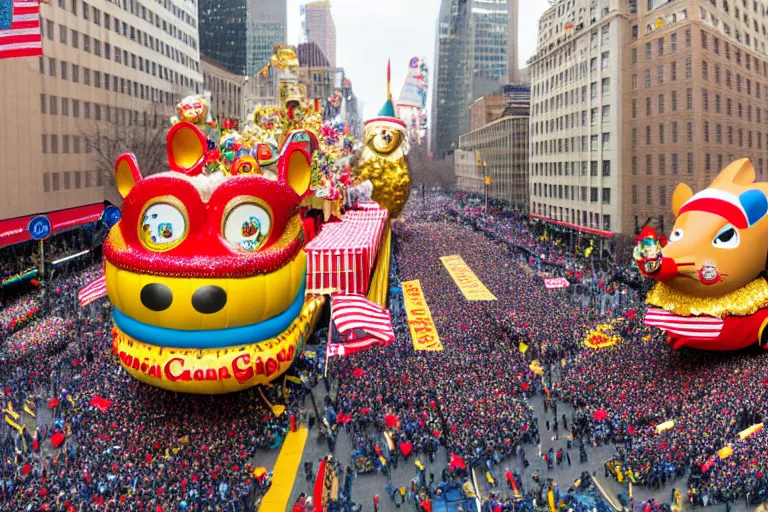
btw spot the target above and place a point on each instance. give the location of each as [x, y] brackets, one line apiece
[487, 182]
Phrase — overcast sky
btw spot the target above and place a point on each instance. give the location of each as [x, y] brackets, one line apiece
[368, 32]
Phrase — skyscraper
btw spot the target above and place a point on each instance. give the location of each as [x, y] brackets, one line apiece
[319, 28]
[472, 59]
[240, 35]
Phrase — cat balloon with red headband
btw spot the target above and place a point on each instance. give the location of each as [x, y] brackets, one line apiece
[712, 291]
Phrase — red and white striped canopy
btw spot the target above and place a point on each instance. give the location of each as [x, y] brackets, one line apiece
[341, 258]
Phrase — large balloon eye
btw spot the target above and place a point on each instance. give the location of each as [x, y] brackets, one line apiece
[247, 226]
[163, 227]
[676, 235]
[726, 238]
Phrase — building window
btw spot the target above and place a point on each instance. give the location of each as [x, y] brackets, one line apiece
[46, 182]
[690, 163]
[689, 98]
[661, 133]
[43, 103]
[660, 46]
[65, 145]
[647, 135]
[674, 101]
[44, 143]
[593, 143]
[606, 141]
[634, 109]
[673, 70]
[648, 195]
[647, 78]
[688, 38]
[55, 181]
[606, 196]
[634, 166]
[648, 165]
[662, 165]
[660, 74]
[62, 34]
[704, 99]
[647, 51]
[648, 106]
[634, 194]
[78, 179]
[688, 68]
[704, 70]
[674, 132]
[661, 103]
[593, 194]
[689, 131]
[662, 195]
[606, 168]
[674, 163]
[705, 130]
[67, 180]
[673, 42]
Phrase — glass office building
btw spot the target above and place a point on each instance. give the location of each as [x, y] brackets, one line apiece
[240, 34]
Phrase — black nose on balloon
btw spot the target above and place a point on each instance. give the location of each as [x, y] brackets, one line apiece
[209, 299]
[156, 297]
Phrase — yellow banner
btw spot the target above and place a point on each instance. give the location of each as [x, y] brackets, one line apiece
[472, 288]
[15, 425]
[523, 347]
[29, 411]
[423, 331]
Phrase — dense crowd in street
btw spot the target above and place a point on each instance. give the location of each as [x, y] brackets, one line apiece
[153, 450]
[149, 450]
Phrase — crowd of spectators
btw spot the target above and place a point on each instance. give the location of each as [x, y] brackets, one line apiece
[154, 450]
[149, 450]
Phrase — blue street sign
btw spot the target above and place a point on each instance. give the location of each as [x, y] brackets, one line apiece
[39, 227]
[111, 215]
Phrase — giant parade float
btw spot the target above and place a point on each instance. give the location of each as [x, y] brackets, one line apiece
[222, 265]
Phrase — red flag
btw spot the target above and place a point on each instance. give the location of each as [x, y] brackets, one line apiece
[57, 439]
[406, 448]
[391, 420]
[456, 462]
[53, 402]
[100, 403]
[26, 469]
[358, 372]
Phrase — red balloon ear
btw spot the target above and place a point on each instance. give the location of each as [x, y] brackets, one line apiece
[186, 148]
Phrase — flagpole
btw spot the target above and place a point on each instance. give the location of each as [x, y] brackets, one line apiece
[328, 348]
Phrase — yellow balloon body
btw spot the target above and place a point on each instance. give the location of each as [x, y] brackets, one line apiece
[383, 163]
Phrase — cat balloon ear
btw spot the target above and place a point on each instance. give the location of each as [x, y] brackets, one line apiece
[127, 173]
[186, 148]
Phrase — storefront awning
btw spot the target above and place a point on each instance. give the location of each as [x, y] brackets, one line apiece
[592, 231]
[16, 230]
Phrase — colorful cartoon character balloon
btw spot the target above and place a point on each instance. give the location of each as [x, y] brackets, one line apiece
[207, 272]
[712, 292]
[383, 159]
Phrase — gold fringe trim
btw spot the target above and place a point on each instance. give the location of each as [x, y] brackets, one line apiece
[742, 302]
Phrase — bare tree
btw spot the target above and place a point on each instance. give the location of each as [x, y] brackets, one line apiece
[128, 131]
[430, 172]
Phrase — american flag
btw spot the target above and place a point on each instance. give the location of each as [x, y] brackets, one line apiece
[688, 326]
[363, 323]
[20, 29]
[94, 291]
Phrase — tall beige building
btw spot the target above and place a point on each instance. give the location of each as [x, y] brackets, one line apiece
[110, 76]
[576, 113]
[632, 98]
[320, 28]
[696, 99]
[226, 90]
[497, 147]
